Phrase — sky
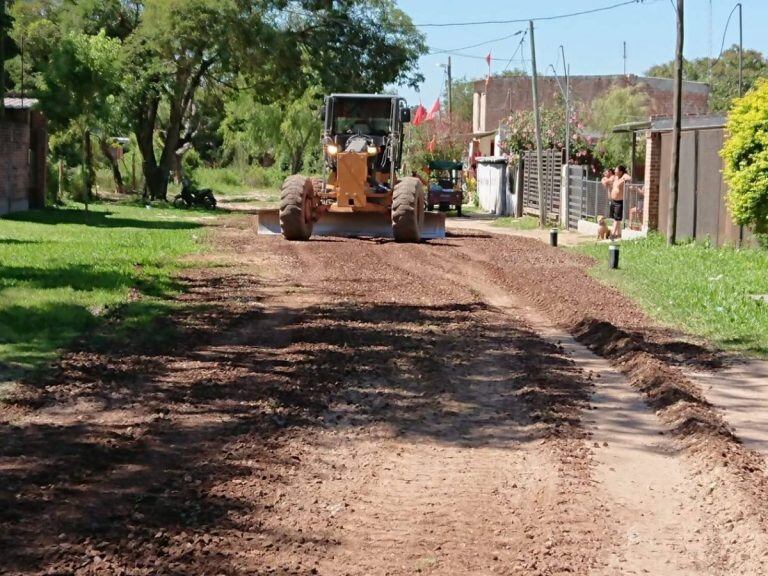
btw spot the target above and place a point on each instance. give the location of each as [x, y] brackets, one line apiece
[593, 43]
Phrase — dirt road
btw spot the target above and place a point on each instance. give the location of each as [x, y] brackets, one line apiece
[477, 405]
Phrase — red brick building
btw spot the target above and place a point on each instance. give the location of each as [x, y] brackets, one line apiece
[23, 151]
[505, 95]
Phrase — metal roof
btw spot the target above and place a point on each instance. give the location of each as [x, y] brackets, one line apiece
[703, 122]
[19, 103]
[664, 124]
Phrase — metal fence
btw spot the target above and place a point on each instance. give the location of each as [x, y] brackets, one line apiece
[552, 173]
[588, 199]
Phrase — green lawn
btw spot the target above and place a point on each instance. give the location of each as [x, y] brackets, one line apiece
[523, 223]
[705, 291]
[64, 271]
[255, 184]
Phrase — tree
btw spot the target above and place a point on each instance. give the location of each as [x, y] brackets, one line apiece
[462, 99]
[282, 130]
[745, 155]
[725, 74]
[172, 50]
[463, 94]
[77, 89]
[617, 106]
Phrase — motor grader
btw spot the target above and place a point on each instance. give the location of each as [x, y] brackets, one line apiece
[361, 192]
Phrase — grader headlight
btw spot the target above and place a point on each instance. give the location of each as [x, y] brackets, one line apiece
[372, 150]
[332, 149]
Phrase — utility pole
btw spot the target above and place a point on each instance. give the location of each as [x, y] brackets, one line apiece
[741, 55]
[567, 108]
[537, 118]
[677, 123]
[625, 57]
[450, 91]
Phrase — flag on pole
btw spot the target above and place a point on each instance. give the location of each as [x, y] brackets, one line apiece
[433, 112]
[419, 115]
[488, 59]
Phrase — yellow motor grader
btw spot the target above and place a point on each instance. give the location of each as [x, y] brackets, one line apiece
[361, 192]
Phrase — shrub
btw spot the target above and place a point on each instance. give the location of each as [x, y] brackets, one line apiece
[745, 155]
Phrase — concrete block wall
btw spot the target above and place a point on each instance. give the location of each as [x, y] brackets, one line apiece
[14, 167]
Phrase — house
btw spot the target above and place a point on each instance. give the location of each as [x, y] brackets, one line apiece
[504, 95]
[23, 151]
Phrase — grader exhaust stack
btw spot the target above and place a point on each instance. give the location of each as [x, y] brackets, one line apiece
[360, 193]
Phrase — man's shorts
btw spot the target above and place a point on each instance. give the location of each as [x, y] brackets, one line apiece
[617, 210]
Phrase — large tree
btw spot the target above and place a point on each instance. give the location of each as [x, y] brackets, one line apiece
[617, 106]
[724, 74]
[173, 49]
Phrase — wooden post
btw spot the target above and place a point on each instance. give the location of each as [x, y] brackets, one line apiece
[677, 124]
[60, 191]
[537, 118]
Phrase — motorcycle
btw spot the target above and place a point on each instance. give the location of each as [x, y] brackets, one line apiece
[192, 196]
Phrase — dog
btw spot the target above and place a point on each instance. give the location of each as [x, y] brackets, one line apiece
[603, 233]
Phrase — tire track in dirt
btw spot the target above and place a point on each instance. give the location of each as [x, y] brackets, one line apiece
[639, 467]
[487, 472]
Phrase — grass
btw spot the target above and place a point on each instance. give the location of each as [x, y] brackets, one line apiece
[63, 271]
[523, 223]
[242, 183]
[703, 290]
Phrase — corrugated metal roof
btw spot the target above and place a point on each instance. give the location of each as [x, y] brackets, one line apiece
[702, 122]
[19, 103]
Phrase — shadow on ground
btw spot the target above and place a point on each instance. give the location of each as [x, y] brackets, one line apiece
[132, 465]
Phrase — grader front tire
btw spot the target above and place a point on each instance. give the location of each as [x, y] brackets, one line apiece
[296, 208]
[408, 210]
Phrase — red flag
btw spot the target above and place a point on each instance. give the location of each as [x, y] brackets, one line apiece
[488, 78]
[434, 110]
[488, 59]
[419, 116]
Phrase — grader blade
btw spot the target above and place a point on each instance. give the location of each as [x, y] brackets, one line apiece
[358, 224]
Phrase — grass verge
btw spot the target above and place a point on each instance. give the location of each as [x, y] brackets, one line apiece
[63, 271]
[710, 292]
[523, 223]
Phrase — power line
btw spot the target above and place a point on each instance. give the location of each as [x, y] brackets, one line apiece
[519, 46]
[727, 22]
[538, 19]
[507, 37]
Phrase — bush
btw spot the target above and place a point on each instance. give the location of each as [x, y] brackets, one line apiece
[191, 162]
[745, 155]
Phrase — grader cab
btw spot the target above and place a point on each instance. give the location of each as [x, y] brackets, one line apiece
[361, 192]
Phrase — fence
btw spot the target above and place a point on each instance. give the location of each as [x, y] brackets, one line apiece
[552, 174]
[701, 208]
[588, 199]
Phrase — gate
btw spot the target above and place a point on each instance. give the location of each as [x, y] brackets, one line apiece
[552, 161]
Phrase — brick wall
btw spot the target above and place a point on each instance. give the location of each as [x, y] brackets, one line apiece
[652, 180]
[514, 93]
[14, 166]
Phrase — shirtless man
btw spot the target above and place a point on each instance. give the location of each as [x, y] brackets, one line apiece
[616, 183]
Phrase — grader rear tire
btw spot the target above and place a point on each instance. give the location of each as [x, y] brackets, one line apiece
[408, 210]
[296, 208]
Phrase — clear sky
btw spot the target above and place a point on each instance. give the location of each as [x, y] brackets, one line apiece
[593, 43]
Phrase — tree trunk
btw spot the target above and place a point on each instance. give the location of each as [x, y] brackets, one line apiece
[88, 174]
[154, 184]
[157, 173]
[107, 150]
